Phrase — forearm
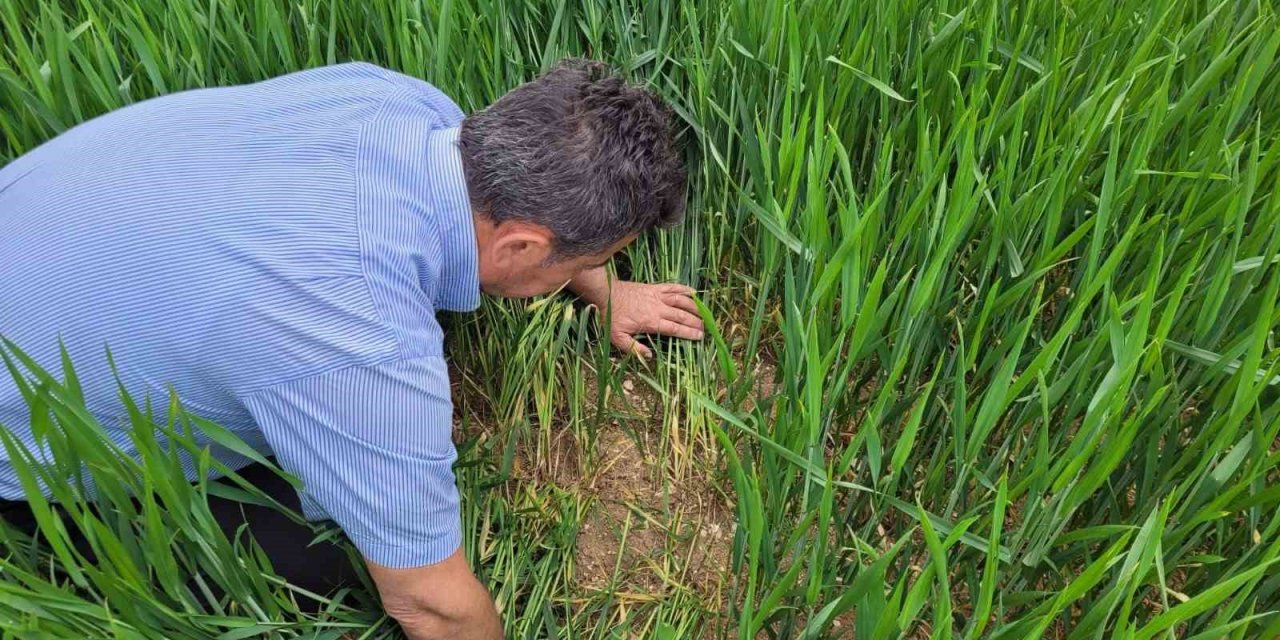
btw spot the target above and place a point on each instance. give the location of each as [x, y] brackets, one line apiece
[481, 623]
[592, 286]
[438, 602]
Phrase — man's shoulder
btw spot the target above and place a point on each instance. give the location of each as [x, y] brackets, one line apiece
[403, 94]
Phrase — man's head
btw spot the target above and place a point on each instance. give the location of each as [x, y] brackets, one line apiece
[565, 171]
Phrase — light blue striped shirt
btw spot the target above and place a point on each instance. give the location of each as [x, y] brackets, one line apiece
[276, 252]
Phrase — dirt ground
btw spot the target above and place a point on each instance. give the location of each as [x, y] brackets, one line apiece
[649, 531]
[650, 538]
[647, 534]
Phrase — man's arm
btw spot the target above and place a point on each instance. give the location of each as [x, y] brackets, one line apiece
[439, 601]
[372, 447]
[634, 308]
[592, 286]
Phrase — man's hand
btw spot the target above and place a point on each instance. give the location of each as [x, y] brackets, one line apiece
[438, 602]
[634, 308]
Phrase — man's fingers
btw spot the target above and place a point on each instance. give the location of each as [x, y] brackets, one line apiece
[633, 346]
[640, 351]
[682, 302]
[685, 318]
[676, 330]
[681, 289]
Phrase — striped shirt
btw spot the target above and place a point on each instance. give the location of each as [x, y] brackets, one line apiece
[276, 253]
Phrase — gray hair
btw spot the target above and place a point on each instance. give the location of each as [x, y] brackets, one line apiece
[580, 152]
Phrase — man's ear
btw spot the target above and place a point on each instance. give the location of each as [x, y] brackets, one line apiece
[519, 244]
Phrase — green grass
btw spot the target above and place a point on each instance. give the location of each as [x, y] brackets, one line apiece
[1011, 269]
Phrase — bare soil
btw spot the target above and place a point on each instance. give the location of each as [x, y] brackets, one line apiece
[647, 536]
[648, 532]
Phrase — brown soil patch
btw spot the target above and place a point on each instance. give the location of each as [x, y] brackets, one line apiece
[646, 536]
[648, 532]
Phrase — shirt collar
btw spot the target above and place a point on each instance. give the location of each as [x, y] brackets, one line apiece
[458, 284]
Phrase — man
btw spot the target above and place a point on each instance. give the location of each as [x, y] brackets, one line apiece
[277, 252]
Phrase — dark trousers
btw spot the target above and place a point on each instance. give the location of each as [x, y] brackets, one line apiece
[319, 568]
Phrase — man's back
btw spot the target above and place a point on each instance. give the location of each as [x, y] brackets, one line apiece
[213, 240]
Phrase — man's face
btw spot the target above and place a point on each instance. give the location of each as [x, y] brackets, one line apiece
[516, 259]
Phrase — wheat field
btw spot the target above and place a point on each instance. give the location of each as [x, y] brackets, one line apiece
[991, 291]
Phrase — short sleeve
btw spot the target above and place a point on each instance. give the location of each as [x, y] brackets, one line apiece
[373, 447]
